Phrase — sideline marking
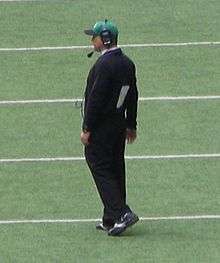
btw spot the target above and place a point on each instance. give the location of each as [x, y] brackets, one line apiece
[205, 43]
[139, 157]
[214, 97]
[166, 98]
[22, 1]
[55, 221]
[40, 101]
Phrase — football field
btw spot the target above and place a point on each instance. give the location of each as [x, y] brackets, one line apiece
[48, 202]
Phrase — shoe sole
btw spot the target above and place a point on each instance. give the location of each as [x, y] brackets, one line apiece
[117, 231]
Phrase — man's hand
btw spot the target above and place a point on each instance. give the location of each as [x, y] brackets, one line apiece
[131, 135]
[85, 135]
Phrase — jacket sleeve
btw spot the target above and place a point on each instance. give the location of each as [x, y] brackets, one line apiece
[131, 113]
[97, 98]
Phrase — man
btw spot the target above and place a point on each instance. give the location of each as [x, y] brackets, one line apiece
[109, 120]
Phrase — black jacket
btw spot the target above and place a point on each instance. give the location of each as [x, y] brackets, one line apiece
[111, 91]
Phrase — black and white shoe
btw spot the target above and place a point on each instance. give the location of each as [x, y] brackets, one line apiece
[117, 229]
[102, 227]
[127, 220]
[130, 219]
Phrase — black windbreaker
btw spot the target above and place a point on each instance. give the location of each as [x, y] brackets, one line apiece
[111, 91]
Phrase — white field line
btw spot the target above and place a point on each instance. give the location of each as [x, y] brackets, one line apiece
[138, 157]
[180, 98]
[79, 100]
[2, 102]
[21, 0]
[183, 44]
[59, 221]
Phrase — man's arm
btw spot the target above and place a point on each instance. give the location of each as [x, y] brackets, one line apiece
[131, 113]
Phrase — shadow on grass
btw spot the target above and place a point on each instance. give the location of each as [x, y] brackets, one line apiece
[177, 231]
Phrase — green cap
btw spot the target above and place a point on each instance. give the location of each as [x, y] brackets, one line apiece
[101, 26]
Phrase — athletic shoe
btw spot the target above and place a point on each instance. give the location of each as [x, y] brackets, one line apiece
[127, 220]
[117, 229]
[130, 219]
[100, 226]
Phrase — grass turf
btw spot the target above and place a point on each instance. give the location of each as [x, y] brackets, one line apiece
[164, 128]
[158, 189]
[155, 188]
[172, 241]
[46, 23]
[161, 72]
[66, 189]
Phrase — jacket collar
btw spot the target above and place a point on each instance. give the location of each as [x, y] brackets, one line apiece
[109, 50]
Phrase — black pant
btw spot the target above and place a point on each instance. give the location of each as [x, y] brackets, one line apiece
[105, 158]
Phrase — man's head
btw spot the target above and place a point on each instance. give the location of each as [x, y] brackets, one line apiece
[104, 35]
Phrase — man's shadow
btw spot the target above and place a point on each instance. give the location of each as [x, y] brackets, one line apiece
[161, 230]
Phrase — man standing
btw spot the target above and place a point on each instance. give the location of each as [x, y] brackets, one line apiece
[109, 120]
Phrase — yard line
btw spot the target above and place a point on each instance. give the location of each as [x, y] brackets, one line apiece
[180, 98]
[45, 48]
[205, 43]
[178, 156]
[138, 157]
[22, 0]
[179, 44]
[39, 101]
[49, 159]
[79, 100]
[59, 221]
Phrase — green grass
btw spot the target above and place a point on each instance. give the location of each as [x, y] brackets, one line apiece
[66, 190]
[155, 187]
[59, 190]
[161, 72]
[164, 128]
[49, 23]
[152, 241]
[40, 131]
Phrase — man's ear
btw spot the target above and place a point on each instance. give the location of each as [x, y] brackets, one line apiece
[99, 40]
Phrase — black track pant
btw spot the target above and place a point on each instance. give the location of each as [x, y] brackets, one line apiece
[105, 158]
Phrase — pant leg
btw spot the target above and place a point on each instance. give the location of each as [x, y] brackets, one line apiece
[101, 161]
[120, 168]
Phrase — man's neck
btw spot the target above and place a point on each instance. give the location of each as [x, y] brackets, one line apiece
[105, 50]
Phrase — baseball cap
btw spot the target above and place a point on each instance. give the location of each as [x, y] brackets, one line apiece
[101, 26]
